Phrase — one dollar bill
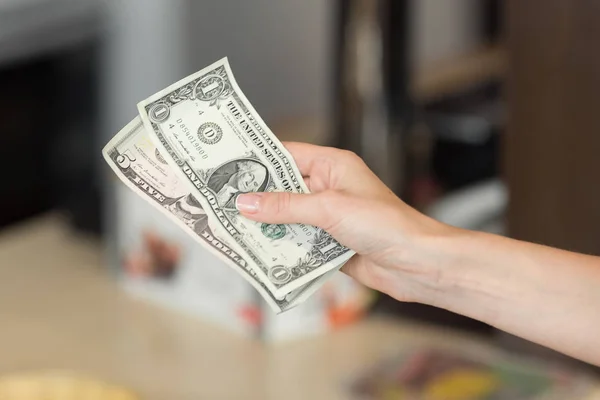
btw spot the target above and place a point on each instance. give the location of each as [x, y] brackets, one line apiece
[218, 146]
[138, 163]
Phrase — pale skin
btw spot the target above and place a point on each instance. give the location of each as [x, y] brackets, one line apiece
[545, 295]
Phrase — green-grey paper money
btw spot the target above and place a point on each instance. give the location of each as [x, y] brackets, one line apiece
[214, 140]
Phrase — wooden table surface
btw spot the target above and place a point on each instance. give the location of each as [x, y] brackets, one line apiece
[60, 309]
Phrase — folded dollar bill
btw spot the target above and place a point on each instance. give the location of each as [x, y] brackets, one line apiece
[194, 148]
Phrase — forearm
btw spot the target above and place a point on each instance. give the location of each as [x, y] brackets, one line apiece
[545, 295]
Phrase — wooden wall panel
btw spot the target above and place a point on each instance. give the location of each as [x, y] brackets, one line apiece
[552, 146]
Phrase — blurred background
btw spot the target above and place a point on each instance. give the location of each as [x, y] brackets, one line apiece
[480, 113]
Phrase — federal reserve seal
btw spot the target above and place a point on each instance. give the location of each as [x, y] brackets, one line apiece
[273, 231]
[210, 133]
[280, 274]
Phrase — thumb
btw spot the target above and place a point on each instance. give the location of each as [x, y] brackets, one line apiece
[285, 208]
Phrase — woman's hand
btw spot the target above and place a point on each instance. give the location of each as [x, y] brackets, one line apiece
[357, 209]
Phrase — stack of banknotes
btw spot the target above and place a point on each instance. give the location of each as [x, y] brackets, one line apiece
[194, 148]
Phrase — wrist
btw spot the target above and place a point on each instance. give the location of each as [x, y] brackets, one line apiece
[462, 272]
[439, 261]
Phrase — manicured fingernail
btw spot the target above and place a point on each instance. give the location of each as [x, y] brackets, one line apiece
[248, 203]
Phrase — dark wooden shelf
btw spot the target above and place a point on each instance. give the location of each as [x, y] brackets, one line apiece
[449, 76]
